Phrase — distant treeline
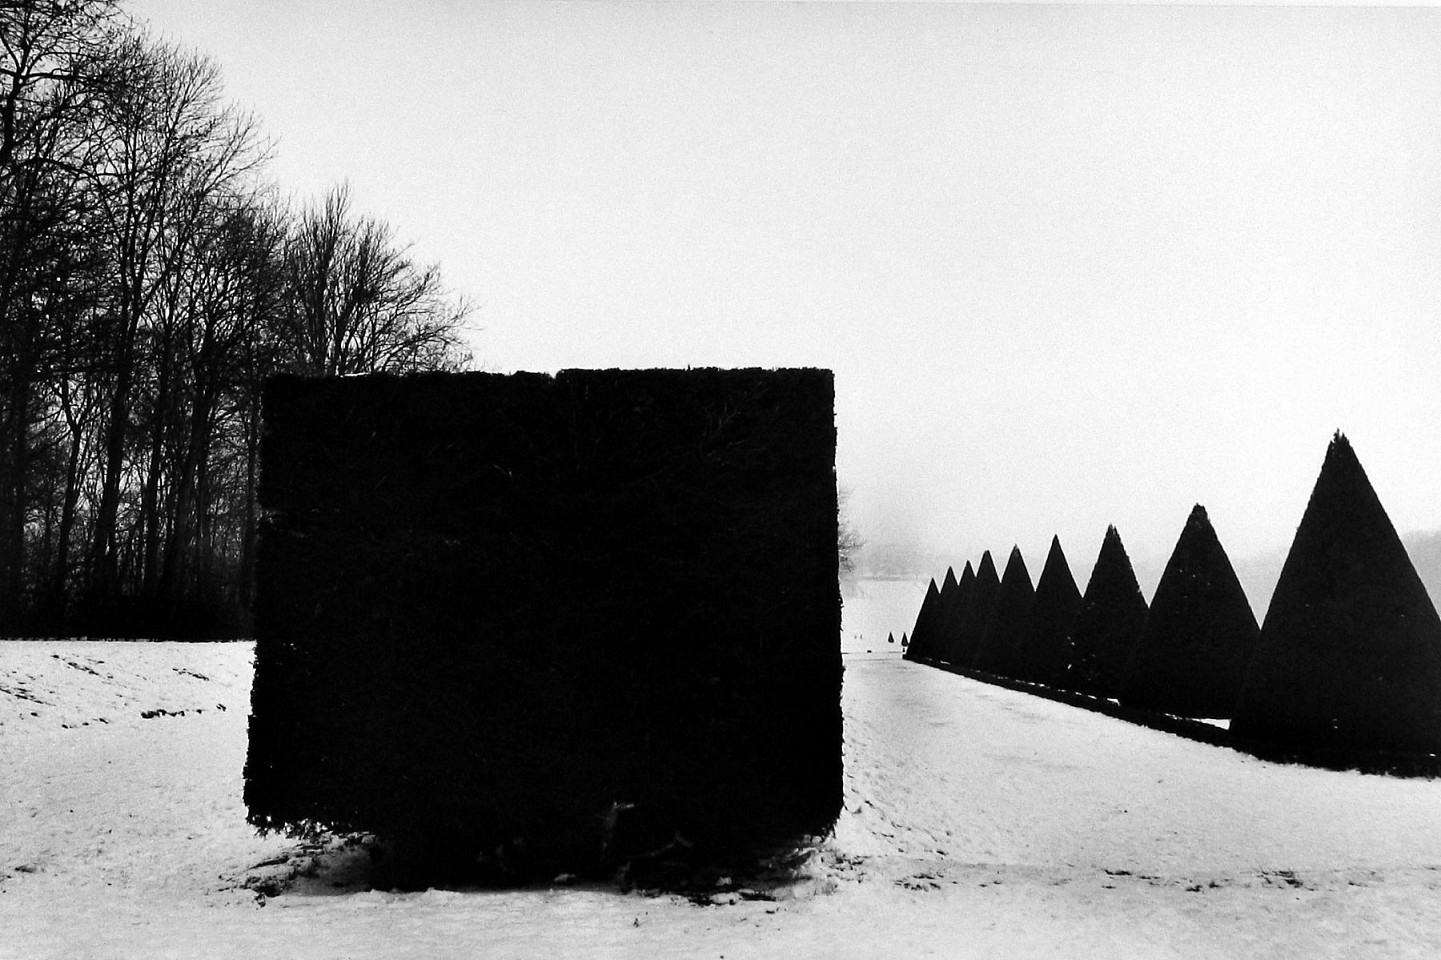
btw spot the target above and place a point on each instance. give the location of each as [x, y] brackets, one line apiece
[150, 281]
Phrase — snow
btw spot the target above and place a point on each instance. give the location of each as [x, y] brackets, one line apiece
[874, 608]
[979, 822]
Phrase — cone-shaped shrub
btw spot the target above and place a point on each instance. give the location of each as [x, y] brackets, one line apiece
[1010, 620]
[890, 638]
[947, 599]
[977, 612]
[921, 633]
[954, 611]
[1043, 654]
[1350, 652]
[1200, 632]
[1108, 624]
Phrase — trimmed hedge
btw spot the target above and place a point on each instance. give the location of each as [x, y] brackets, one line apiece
[924, 644]
[1043, 654]
[1350, 654]
[944, 612]
[955, 613]
[1010, 620]
[1109, 623]
[1200, 633]
[577, 615]
[976, 612]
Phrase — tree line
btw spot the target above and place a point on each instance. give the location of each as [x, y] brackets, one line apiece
[151, 279]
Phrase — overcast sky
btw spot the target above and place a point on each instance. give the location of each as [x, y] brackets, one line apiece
[1072, 266]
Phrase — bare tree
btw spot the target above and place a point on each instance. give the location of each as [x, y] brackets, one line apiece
[229, 297]
[358, 303]
[848, 538]
[169, 148]
[53, 63]
[147, 290]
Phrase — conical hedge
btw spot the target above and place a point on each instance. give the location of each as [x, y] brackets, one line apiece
[1350, 653]
[977, 612]
[954, 612]
[921, 633]
[1010, 620]
[1108, 624]
[1043, 654]
[1200, 632]
[940, 626]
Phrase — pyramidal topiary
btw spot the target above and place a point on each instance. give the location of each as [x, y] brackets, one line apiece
[954, 611]
[1010, 619]
[977, 612]
[1200, 632]
[890, 638]
[1043, 654]
[1108, 624]
[920, 633]
[941, 639]
[1350, 652]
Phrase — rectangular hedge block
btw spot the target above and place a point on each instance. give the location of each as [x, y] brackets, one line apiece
[588, 611]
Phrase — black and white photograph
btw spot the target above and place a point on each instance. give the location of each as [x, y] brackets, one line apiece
[719, 479]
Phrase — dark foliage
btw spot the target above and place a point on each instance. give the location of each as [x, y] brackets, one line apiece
[953, 597]
[955, 612]
[1108, 625]
[945, 602]
[976, 612]
[562, 619]
[1043, 653]
[1200, 632]
[923, 634]
[1350, 652]
[1010, 620]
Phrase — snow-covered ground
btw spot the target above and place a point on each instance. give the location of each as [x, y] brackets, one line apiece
[979, 822]
[872, 609]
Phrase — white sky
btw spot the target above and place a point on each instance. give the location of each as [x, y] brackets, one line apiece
[1072, 265]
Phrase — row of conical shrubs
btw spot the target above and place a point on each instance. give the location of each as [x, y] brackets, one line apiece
[1349, 658]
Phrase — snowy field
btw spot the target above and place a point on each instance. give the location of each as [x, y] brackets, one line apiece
[872, 609]
[979, 822]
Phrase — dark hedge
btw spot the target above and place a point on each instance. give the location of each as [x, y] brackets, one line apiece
[1200, 632]
[976, 613]
[955, 613]
[945, 607]
[1349, 659]
[575, 615]
[923, 643]
[1043, 654]
[1010, 619]
[1108, 624]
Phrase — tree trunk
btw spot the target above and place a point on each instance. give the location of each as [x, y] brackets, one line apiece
[61, 571]
[14, 467]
